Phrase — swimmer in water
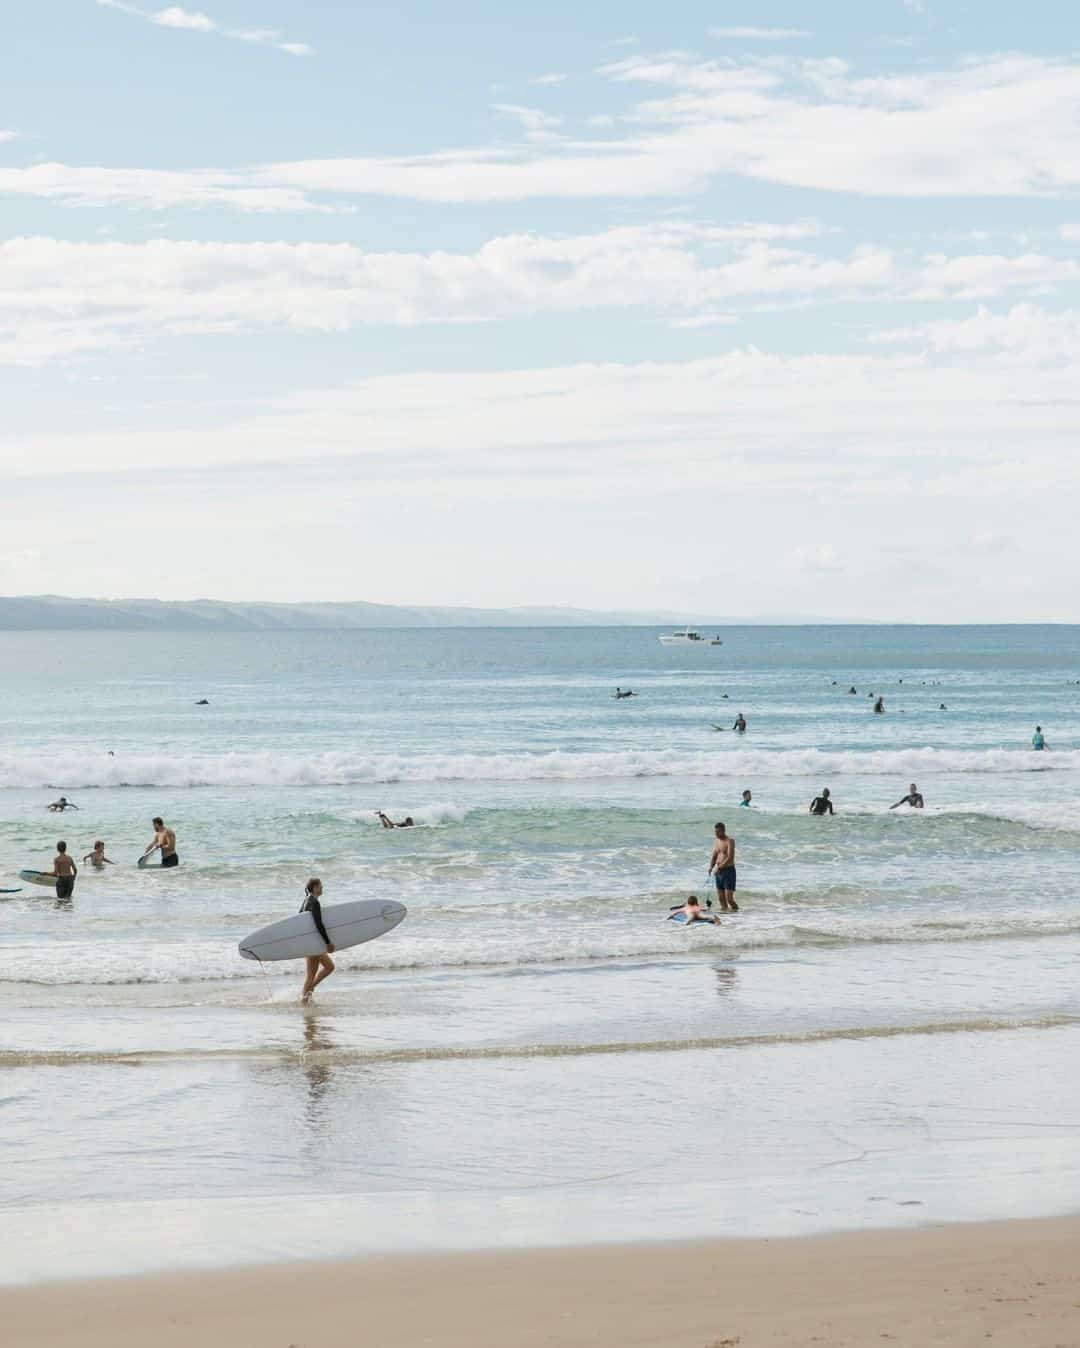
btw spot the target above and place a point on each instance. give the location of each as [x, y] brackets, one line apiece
[97, 857]
[59, 806]
[879, 706]
[913, 798]
[387, 822]
[1037, 741]
[740, 724]
[822, 804]
[621, 693]
[746, 799]
[317, 968]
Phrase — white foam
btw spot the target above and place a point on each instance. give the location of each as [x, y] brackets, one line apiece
[79, 770]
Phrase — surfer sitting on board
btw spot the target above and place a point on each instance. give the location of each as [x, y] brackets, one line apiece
[387, 822]
[65, 870]
[59, 806]
[317, 967]
[97, 857]
[692, 911]
[165, 839]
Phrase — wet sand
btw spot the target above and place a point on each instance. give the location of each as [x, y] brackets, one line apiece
[1008, 1283]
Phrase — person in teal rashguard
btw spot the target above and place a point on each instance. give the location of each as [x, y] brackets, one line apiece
[1037, 740]
[746, 799]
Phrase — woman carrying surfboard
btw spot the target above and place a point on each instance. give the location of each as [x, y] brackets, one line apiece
[317, 967]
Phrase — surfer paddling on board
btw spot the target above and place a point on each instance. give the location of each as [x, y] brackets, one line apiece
[387, 822]
[692, 912]
[97, 857]
[165, 840]
[59, 806]
[722, 866]
[65, 870]
[317, 967]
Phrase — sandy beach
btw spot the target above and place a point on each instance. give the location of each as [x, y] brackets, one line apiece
[1012, 1283]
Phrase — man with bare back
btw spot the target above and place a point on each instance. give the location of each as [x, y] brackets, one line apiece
[722, 866]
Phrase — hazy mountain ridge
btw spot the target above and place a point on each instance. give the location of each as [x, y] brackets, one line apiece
[61, 613]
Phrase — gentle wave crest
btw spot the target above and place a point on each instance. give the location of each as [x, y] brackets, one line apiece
[80, 770]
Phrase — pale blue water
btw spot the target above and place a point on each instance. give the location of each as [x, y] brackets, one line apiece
[556, 826]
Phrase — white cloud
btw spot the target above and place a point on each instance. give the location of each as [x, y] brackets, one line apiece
[60, 298]
[555, 77]
[1001, 126]
[760, 34]
[534, 122]
[194, 21]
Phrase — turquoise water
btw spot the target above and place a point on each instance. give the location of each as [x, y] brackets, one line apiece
[555, 828]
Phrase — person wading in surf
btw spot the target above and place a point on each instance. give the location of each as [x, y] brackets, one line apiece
[65, 870]
[165, 839]
[317, 967]
[722, 866]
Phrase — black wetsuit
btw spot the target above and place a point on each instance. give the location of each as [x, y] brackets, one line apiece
[821, 805]
[312, 905]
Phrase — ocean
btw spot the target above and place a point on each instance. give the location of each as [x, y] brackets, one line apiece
[890, 1019]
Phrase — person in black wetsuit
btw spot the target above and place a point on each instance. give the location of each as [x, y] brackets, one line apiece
[318, 967]
[822, 804]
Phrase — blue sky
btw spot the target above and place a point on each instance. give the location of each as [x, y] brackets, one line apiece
[722, 307]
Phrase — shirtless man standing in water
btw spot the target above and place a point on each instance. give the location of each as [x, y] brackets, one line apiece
[722, 865]
[65, 870]
[165, 839]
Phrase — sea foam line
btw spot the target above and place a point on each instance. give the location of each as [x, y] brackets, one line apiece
[58, 769]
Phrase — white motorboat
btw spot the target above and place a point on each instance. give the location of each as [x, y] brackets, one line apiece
[688, 637]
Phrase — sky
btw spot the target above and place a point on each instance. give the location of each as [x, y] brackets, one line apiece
[722, 308]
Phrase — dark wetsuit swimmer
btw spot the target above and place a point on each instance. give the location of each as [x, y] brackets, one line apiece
[822, 804]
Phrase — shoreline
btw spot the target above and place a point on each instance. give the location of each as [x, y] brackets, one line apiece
[1009, 1282]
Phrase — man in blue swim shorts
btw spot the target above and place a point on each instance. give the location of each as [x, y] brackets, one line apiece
[722, 867]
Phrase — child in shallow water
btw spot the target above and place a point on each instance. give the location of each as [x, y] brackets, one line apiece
[693, 911]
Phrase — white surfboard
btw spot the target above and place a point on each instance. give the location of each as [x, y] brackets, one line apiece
[38, 878]
[347, 924]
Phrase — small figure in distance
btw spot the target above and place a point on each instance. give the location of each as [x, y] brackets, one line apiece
[1037, 740]
[203, 702]
[59, 806]
[853, 691]
[621, 693]
[722, 866]
[740, 724]
[387, 822]
[747, 798]
[692, 911]
[943, 707]
[317, 967]
[879, 707]
[65, 870]
[822, 804]
[165, 840]
[97, 857]
[913, 798]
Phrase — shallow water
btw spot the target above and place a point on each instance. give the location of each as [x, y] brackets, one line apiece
[883, 962]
